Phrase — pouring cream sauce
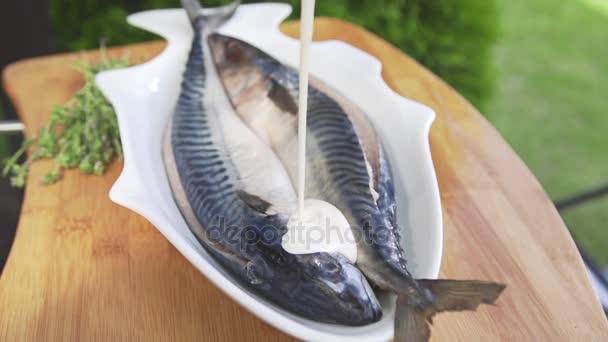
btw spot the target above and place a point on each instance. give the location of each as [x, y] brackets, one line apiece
[318, 226]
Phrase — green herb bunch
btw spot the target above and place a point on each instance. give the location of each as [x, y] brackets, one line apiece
[83, 134]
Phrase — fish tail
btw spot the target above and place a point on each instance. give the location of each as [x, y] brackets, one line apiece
[210, 18]
[412, 320]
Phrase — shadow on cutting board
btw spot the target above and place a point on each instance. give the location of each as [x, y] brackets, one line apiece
[24, 32]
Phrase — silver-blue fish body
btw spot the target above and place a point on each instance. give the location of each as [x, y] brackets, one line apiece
[340, 169]
[236, 198]
[347, 167]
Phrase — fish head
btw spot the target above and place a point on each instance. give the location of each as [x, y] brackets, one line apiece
[332, 289]
[234, 61]
[243, 68]
[326, 287]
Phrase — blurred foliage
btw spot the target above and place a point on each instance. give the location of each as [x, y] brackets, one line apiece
[550, 103]
[453, 38]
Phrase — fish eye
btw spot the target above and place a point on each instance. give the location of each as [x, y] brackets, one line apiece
[327, 266]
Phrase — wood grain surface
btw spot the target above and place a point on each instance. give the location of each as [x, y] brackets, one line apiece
[84, 269]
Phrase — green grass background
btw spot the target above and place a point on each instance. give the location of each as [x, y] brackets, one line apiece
[538, 69]
[551, 101]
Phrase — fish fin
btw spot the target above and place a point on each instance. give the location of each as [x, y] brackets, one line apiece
[412, 320]
[210, 18]
[253, 201]
[458, 295]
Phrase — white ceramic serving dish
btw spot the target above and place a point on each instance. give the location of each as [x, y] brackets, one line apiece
[144, 97]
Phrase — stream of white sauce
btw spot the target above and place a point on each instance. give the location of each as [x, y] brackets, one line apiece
[318, 226]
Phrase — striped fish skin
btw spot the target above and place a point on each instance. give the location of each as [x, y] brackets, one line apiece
[339, 171]
[241, 225]
[347, 167]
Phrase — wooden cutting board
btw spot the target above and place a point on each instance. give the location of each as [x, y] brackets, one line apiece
[82, 268]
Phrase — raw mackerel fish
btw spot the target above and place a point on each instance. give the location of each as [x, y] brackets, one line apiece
[236, 197]
[347, 167]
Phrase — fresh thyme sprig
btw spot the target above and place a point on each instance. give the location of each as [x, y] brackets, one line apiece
[83, 133]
